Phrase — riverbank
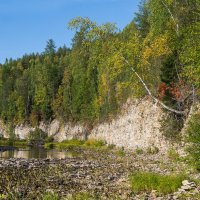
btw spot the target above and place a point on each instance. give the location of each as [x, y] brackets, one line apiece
[66, 144]
[92, 173]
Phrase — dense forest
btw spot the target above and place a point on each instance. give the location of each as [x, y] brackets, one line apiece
[158, 52]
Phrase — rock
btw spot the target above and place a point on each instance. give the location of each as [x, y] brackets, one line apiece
[186, 187]
[185, 182]
[136, 127]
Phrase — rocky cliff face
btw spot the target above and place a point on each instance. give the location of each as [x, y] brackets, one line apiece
[137, 126]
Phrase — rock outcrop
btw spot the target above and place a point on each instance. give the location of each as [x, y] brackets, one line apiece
[137, 126]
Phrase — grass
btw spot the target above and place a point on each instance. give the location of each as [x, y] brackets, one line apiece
[84, 196]
[94, 143]
[78, 196]
[50, 196]
[139, 151]
[15, 143]
[70, 144]
[67, 144]
[163, 184]
[152, 150]
[173, 154]
[121, 152]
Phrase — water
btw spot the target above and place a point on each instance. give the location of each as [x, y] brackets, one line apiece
[38, 153]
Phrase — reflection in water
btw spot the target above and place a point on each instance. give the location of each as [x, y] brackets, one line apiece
[36, 153]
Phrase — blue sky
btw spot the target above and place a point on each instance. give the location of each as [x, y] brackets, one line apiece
[26, 25]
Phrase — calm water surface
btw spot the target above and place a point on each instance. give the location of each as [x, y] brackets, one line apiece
[35, 153]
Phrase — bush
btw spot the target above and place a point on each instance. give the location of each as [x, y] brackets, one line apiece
[95, 143]
[163, 184]
[16, 143]
[171, 127]
[49, 145]
[83, 196]
[37, 134]
[49, 139]
[1, 136]
[139, 151]
[173, 154]
[50, 196]
[193, 137]
[152, 150]
[111, 146]
[69, 144]
[121, 152]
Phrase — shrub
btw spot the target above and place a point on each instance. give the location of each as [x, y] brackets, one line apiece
[172, 154]
[37, 134]
[83, 196]
[139, 150]
[49, 139]
[152, 150]
[50, 196]
[111, 146]
[121, 152]
[163, 184]
[193, 137]
[69, 144]
[20, 143]
[49, 145]
[1, 136]
[95, 143]
[16, 143]
[171, 127]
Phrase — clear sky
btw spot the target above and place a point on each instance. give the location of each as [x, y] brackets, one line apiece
[26, 25]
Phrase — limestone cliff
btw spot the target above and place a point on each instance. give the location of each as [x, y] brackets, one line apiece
[137, 126]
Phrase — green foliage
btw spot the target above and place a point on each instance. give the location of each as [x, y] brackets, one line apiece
[50, 47]
[139, 151]
[70, 144]
[49, 145]
[173, 154]
[171, 127]
[193, 138]
[14, 142]
[83, 196]
[121, 152]
[49, 139]
[50, 196]
[89, 82]
[94, 143]
[163, 184]
[37, 134]
[142, 18]
[152, 150]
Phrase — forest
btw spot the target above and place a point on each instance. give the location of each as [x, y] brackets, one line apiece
[157, 54]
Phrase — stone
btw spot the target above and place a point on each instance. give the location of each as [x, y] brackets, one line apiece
[137, 126]
[186, 187]
[185, 182]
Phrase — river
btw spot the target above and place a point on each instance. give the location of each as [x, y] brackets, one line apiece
[38, 153]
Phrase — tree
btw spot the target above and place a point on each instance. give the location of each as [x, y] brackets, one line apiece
[142, 18]
[50, 48]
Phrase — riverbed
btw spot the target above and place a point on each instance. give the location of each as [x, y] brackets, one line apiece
[81, 173]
